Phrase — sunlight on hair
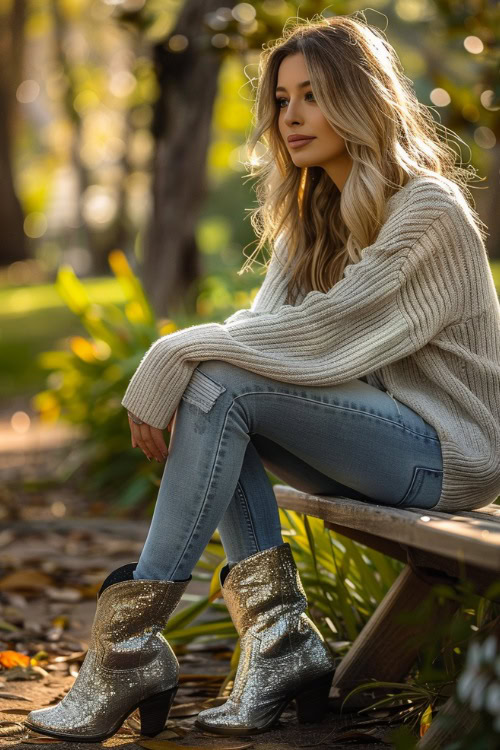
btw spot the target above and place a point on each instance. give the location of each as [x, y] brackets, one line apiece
[359, 85]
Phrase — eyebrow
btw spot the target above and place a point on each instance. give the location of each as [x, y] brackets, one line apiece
[299, 86]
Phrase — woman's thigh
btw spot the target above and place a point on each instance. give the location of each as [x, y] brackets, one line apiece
[351, 439]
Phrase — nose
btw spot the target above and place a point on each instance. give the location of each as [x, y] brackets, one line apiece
[292, 115]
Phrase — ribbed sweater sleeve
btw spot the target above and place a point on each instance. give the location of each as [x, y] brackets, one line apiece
[400, 294]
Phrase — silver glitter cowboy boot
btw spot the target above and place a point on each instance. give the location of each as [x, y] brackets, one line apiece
[129, 664]
[283, 654]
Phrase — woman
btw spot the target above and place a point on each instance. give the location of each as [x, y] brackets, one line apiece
[368, 366]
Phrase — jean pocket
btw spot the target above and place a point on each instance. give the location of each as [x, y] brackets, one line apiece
[424, 490]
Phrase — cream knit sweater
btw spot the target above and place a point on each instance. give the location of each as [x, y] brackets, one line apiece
[418, 313]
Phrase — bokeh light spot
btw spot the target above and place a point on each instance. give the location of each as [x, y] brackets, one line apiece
[27, 91]
[473, 44]
[440, 97]
[20, 422]
[35, 224]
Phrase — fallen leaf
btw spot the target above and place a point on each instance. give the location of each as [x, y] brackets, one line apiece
[174, 729]
[14, 697]
[7, 626]
[426, 720]
[185, 709]
[166, 745]
[29, 579]
[74, 656]
[11, 728]
[67, 595]
[9, 659]
[39, 740]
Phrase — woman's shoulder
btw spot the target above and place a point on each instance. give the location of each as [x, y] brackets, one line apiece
[427, 190]
[423, 199]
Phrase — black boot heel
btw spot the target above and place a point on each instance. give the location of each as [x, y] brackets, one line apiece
[154, 712]
[312, 702]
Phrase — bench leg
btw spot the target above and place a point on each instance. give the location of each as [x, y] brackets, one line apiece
[386, 648]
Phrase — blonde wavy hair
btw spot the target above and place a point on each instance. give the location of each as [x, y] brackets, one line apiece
[358, 82]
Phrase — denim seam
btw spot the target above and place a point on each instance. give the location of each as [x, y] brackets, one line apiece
[344, 408]
[248, 516]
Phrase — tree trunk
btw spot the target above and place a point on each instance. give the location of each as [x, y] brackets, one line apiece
[182, 128]
[13, 244]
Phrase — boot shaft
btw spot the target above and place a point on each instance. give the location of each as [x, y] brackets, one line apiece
[264, 588]
[130, 615]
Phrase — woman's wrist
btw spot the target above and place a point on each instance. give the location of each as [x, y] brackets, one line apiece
[134, 419]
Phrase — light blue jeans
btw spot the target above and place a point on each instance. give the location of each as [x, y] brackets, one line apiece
[351, 439]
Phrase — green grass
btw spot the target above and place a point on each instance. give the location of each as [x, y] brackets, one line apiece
[35, 318]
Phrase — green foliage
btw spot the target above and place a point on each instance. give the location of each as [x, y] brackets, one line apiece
[88, 382]
[478, 689]
[345, 581]
[442, 655]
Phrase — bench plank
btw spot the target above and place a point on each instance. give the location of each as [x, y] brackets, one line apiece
[429, 565]
[471, 536]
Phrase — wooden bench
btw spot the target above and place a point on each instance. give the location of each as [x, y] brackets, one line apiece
[437, 547]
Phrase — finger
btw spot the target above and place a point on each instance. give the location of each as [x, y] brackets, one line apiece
[131, 425]
[149, 441]
[138, 441]
[159, 442]
[135, 437]
[144, 449]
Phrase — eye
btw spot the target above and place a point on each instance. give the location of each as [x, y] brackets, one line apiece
[281, 99]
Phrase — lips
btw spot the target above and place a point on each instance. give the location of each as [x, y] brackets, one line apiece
[299, 142]
[297, 137]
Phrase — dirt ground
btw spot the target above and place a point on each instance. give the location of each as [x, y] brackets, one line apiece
[51, 567]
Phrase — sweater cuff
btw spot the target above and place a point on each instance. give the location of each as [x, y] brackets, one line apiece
[157, 384]
[161, 377]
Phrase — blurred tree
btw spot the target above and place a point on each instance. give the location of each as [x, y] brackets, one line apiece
[187, 68]
[12, 13]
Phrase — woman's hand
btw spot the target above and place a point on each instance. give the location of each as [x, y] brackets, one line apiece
[149, 439]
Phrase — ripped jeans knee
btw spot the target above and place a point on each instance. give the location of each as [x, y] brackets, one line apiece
[202, 390]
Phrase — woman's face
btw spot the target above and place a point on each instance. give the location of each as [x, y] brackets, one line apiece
[300, 115]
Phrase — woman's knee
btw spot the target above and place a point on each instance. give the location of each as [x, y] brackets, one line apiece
[225, 374]
[212, 378]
